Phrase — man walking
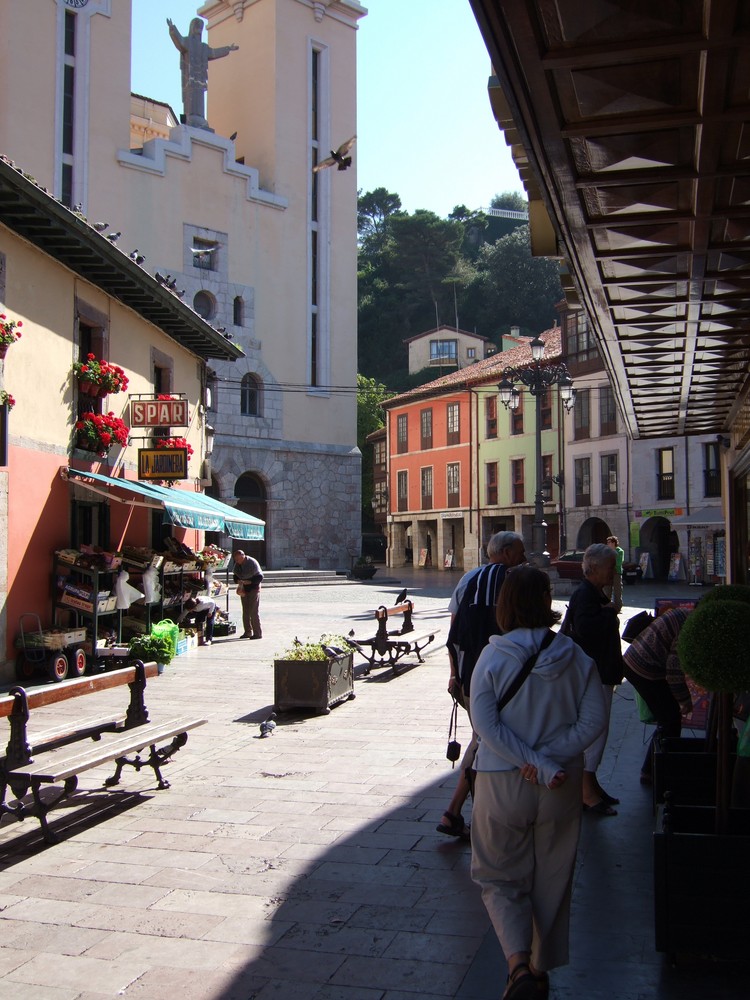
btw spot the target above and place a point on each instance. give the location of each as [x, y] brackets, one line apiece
[472, 609]
[248, 576]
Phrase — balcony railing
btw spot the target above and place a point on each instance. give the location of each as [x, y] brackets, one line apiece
[665, 486]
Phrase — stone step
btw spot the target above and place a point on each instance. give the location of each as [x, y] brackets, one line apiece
[304, 578]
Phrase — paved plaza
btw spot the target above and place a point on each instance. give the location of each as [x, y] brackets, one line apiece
[306, 866]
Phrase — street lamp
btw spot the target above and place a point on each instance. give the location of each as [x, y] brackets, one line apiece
[537, 378]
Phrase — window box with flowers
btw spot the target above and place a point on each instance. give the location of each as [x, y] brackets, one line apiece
[9, 333]
[98, 432]
[174, 442]
[97, 377]
[6, 399]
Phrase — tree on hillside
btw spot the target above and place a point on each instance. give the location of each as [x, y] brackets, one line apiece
[514, 201]
[374, 211]
[512, 288]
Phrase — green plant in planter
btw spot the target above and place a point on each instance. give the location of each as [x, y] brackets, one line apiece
[727, 592]
[311, 649]
[714, 649]
[151, 647]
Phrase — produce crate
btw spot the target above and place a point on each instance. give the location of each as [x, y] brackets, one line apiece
[224, 628]
[51, 639]
[182, 647]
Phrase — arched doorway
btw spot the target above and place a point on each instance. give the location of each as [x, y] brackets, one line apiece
[251, 496]
[660, 541]
[592, 531]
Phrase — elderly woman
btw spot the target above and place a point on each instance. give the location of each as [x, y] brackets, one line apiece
[527, 805]
[592, 621]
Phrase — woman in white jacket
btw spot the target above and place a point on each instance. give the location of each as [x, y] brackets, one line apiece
[527, 806]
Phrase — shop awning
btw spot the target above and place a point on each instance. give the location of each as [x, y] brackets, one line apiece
[704, 517]
[188, 510]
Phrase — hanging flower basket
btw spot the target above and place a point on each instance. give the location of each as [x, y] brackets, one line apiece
[97, 432]
[9, 333]
[97, 377]
[6, 399]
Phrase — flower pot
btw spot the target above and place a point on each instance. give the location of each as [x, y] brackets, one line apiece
[316, 684]
[365, 572]
[683, 766]
[3, 350]
[160, 667]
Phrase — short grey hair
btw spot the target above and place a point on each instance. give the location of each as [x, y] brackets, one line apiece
[597, 555]
[502, 540]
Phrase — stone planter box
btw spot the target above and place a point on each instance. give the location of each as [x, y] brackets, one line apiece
[315, 684]
[365, 572]
[701, 882]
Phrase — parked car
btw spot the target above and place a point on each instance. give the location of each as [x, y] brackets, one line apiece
[569, 565]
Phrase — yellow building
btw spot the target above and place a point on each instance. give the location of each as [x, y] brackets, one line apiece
[259, 245]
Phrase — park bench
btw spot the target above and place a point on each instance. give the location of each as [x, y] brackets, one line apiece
[388, 647]
[57, 756]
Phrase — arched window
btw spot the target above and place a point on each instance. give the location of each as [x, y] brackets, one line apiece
[250, 396]
[239, 311]
[212, 388]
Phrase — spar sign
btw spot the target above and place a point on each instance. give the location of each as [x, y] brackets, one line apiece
[159, 413]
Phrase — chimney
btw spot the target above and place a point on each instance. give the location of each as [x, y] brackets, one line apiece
[515, 331]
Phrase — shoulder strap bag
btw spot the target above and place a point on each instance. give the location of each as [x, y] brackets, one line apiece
[524, 672]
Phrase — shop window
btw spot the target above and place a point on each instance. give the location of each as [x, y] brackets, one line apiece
[517, 480]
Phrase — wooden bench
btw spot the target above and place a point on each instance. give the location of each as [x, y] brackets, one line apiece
[59, 755]
[389, 646]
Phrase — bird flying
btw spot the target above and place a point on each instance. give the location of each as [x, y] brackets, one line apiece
[338, 156]
[233, 136]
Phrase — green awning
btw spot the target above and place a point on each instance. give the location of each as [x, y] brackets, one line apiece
[187, 510]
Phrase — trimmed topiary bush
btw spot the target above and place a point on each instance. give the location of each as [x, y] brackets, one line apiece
[714, 644]
[727, 592]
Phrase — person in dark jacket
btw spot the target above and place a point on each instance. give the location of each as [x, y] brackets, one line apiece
[592, 621]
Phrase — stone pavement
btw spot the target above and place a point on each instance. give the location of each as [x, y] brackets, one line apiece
[306, 866]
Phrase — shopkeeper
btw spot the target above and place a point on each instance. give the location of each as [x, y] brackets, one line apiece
[203, 609]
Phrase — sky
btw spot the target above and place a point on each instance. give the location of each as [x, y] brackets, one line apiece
[425, 129]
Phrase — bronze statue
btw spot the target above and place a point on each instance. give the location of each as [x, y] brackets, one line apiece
[194, 58]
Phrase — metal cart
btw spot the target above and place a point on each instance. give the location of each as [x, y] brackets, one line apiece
[56, 652]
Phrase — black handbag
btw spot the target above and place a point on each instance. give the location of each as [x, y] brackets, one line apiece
[454, 747]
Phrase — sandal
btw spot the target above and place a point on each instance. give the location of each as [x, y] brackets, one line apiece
[455, 828]
[601, 808]
[522, 985]
[609, 799]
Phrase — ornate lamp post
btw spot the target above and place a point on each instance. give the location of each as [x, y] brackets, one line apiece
[537, 378]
